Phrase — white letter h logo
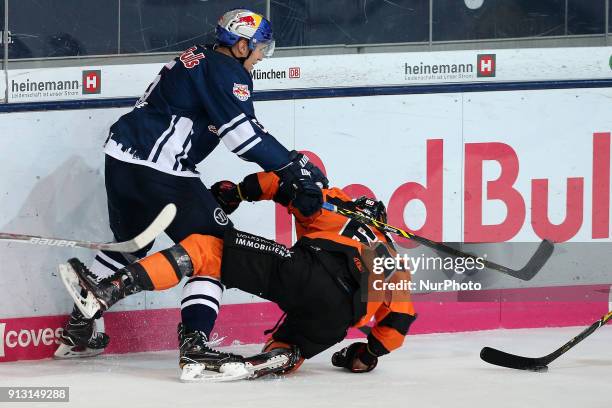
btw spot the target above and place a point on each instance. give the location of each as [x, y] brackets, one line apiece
[91, 82]
[486, 65]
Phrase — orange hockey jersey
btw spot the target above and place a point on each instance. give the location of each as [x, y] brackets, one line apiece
[393, 311]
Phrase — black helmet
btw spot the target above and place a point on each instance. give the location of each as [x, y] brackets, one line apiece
[372, 208]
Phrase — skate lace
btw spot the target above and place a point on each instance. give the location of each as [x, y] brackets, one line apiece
[209, 345]
[96, 278]
[214, 340]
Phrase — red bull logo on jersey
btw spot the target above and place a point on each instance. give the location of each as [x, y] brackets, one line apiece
[241, 92]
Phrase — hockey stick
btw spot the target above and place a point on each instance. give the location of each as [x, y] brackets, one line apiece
[159, 224]
[503, 359]
[535, 263]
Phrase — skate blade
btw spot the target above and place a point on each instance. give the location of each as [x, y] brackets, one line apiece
[271, 366]
[66, 352]
[193, 373]
[89, 305]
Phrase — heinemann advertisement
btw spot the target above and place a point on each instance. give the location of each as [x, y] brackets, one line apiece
[363, 70]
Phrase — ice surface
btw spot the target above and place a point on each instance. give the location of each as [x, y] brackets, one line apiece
[441, 370]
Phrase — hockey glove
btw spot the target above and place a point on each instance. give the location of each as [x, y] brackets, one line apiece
[227, 195]
[301, 182]
[350, 357]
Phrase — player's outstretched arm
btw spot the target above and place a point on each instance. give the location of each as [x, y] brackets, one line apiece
[278, 186]
[255, 187]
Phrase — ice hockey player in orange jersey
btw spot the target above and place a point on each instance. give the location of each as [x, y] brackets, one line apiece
[322, 283]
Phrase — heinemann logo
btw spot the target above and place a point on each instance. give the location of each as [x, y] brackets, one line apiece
[435, 69]
[43, 86]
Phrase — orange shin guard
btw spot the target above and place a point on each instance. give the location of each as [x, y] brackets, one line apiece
[160, 271]
[205, 252]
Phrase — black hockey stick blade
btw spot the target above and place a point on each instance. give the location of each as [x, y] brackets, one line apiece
[527, 272]
[537, 261]
[533, 266]
[503, 359]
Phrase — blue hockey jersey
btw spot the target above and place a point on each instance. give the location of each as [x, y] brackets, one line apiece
[200, 98]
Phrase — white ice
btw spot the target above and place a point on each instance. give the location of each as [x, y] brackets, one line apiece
[441, 370]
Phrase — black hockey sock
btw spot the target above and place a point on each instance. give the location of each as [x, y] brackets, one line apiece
[200, 318]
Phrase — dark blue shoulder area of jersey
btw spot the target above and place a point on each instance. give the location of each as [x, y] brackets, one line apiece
[226, 69]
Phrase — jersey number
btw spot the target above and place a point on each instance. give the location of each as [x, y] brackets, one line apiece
[143, 99]
[189, 59]
[359, 232]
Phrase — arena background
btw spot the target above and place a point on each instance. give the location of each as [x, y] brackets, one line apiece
[428, 105]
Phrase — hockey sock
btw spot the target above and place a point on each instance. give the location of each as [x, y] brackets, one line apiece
[202, 293]
[107, 263]
[200, 303]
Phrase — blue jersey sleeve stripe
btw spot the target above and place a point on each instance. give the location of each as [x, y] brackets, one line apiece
[238, 135]
[234, 126]
[229, 124]
[246, 147]
[246, 142]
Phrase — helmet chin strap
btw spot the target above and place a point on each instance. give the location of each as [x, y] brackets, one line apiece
[241, 59]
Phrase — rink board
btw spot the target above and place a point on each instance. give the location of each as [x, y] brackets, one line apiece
[34, 338]
[430, 157]
[329, 71]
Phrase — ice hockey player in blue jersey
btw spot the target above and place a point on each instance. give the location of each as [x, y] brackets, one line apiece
[200, 99]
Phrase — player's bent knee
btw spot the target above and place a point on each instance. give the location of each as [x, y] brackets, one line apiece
[163, 269]
[159, 271]
[205, 252]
